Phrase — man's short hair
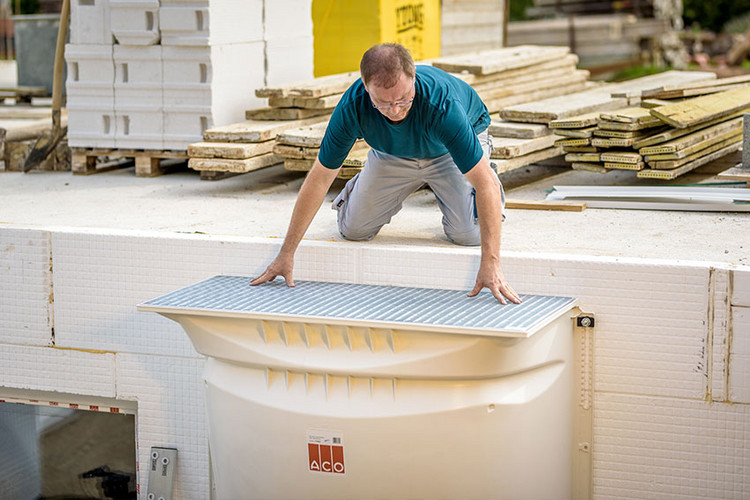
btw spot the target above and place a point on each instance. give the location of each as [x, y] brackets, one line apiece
[382, 64]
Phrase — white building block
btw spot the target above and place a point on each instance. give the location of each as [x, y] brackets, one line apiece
[100, 278]
[647, 448]
[741, 287]
[90, 75]
[290, 18]
[210, 22]
[138, 77]
[171, 413]
[26, 291]
[135, 22]
[90, 22]
[739, 356]
[289, 60]
[205, 87]
[57, 370]
[139, 127]
[90, 96]
[91, 126]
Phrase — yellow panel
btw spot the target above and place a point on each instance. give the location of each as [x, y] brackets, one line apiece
[415, 24]
[343, 30]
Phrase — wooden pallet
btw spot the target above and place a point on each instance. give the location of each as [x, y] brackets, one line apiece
[148, 163]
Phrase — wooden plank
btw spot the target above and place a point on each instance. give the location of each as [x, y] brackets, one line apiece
[612, 142]
[493, 61]
[659, 164]
[624, 166]
[589, 167]
[556, 108]
[621, 157]
[501, 81]
[324, 85]
[672, 174]
[582, 141]
[495, 105]
[627, 134]
[255, 130]
[704, 109]
[690, 139]
[645, 126]
[696, 88]
[229, 165]
[298, 165]
[736, 174]
[505, 147]
[296, 152]
[562, 205]
[677, 132]
[522, 161]
[580, 149]
[633, 88]
[585, 157]
[309, 136]
[285, 113]
[502, 128]
[356, 158]
[568, 61]
[581, 121]
[575, 132]
[233, 150]
[633, 114]
[323, 102]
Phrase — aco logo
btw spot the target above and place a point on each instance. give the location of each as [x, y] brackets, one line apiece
[326, 458]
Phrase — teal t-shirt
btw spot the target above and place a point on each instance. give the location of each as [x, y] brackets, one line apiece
[445, 117]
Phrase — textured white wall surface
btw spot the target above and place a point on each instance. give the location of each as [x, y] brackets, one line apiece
[672, 342]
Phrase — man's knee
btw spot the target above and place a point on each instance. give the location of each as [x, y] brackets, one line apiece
[467, 238]
[356, 233]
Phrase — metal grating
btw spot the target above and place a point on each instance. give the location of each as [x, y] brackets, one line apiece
[365, 305]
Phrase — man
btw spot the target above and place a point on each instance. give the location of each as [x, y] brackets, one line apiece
[425, 127]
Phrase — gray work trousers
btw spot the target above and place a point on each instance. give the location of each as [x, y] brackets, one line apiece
[376, 194]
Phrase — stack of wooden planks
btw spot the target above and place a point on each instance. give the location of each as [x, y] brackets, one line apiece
[247, 146]
[661, 142]
[240, 147]
[301, 100]
[527, 124]
[507, 76]
[299, 147]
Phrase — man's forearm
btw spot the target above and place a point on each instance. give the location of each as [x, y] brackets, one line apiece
[310, 197]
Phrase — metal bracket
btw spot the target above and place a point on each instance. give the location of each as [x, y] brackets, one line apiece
[585, 321]
[162, 464]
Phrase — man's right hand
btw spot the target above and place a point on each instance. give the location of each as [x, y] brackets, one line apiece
[281, 266]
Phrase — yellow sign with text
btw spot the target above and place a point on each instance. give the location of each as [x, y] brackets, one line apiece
[344, 30]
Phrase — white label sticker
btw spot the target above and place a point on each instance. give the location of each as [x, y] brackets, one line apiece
[325, 451]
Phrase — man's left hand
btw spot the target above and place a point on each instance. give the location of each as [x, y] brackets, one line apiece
[491, 276]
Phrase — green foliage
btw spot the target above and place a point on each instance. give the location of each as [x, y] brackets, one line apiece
[712, 15]
[518, 9]
[637, 72]
[27, 6]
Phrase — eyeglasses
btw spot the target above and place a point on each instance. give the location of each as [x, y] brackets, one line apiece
[394, 105]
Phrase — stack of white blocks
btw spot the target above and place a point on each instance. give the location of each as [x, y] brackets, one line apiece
[150, 74]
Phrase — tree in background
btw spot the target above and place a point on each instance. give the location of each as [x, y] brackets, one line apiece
[712, 15]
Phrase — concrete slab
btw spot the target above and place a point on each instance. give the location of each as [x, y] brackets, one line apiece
[260, 204]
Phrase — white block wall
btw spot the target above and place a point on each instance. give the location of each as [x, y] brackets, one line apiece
[189, 64]
[672, 341]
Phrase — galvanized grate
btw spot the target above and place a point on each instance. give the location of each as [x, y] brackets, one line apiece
[362, 304]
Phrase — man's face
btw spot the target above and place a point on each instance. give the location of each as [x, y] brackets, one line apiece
[394, 102]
